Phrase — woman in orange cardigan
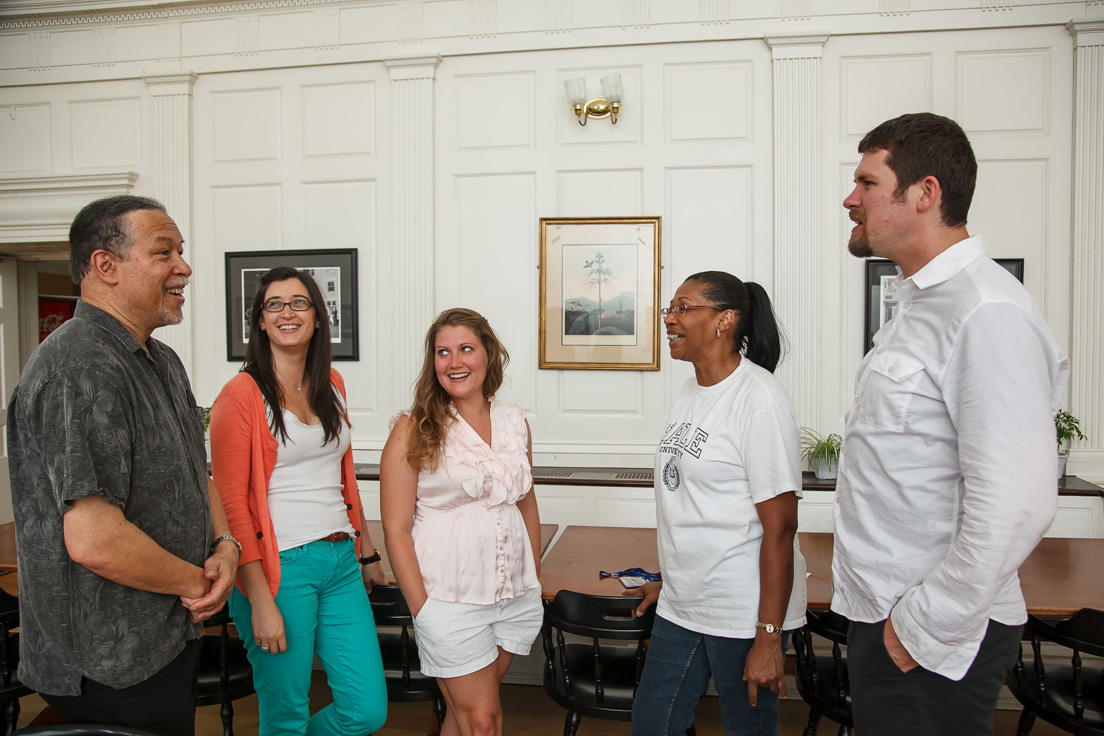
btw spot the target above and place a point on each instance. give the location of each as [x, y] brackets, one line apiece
[283, 462]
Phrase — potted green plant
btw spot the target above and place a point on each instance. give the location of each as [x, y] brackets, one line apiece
[1068, 428]
[822, 453]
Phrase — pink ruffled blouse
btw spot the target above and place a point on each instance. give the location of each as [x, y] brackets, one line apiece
[468, 533]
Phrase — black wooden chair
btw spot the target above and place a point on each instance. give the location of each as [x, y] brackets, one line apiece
[401, 667]
[224, 670]
[12, 689]
[82, 729]
[822, 679]
[1069, 696]
[592, 679]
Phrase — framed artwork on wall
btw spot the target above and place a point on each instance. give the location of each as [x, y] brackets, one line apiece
[335, 272]
[599, 293]
[881, 293]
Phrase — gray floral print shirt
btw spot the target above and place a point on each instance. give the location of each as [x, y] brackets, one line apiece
[95, 415]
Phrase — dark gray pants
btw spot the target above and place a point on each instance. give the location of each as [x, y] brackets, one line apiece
[164, 704]
[888, 702]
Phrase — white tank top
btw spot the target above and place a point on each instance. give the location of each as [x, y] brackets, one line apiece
[304, 492]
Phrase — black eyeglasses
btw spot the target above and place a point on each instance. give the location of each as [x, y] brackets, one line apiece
[682, 309]
[297, 305]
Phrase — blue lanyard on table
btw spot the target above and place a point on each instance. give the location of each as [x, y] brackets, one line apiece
[633, 572]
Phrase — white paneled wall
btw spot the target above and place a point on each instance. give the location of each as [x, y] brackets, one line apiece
[433, 136]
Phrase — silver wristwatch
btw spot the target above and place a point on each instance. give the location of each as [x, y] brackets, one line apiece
[227, 538]
[769, 628]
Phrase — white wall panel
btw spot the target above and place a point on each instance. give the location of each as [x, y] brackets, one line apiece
[105, 133]
[247, 125]
[286, 30]
[134, 43]
[202, 37]
[339, 119]
[709, 101]
[600, 193]
[1021, 187]
[1004, 92]
[497, 274]
[340, 214]
[495, 111]
[247, 218]
[15, 50]
[71, 48]
[709, 221]
[903, 84]
[25, 139]
[601, 392]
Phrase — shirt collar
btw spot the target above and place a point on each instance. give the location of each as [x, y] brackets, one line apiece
[949, 262]
[99, 317]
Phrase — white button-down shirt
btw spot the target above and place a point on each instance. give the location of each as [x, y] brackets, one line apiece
[947, 479]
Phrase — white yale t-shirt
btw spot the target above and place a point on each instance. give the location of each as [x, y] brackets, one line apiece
[726, 447]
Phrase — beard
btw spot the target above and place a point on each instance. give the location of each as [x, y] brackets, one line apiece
[859, 246]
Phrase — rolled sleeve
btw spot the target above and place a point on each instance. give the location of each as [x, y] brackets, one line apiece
[997, 390]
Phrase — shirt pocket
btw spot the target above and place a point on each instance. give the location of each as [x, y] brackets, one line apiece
[887, 394]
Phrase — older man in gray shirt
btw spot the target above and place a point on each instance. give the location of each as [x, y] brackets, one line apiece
[122, 542]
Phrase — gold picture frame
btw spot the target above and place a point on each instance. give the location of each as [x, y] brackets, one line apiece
[605, 272]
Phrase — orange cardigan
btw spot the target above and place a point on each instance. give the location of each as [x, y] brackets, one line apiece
[243, 454]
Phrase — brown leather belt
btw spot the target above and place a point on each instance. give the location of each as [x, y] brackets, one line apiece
[335, 537]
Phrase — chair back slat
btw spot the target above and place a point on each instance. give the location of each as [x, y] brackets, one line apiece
[389, 607]
[601, 616]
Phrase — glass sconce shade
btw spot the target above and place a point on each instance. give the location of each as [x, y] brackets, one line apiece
[576, 90]
[611, 88]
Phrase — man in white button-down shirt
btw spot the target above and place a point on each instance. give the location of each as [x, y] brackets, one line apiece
[947, 478]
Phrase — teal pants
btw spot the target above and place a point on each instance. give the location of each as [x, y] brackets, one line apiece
[325, 610]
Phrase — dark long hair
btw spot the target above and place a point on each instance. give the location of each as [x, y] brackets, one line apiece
[323, 400]
[757, 334]
[429, 415]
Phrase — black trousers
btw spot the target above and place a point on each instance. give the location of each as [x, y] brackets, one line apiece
[164, 704]
[888, 702]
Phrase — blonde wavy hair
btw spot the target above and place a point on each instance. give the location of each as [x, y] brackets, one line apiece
[429, 416]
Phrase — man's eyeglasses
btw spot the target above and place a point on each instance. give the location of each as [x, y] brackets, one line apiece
[682, 309]
[297, 305]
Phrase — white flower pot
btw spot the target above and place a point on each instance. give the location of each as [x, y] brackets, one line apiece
[1062, 457]
[825, 470]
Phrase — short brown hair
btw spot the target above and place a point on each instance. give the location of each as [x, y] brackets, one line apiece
[924, 144]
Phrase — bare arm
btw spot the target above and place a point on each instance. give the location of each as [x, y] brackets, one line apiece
[528, 508]
[373, 574]
[764, 665]
[99, 537]
[398, 491]
[267, 621]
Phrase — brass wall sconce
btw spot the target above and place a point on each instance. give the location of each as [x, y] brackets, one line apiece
[607, 106]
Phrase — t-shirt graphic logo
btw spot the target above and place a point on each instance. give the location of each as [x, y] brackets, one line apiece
[671, 478]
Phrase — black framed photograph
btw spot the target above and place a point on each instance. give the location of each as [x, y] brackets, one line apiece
[335, 272]
[1014, 266]
[881, 297]
[881, 292]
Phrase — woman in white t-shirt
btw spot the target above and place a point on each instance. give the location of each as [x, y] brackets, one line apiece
[727, 480]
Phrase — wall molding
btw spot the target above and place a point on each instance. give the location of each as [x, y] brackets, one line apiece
[40, 209]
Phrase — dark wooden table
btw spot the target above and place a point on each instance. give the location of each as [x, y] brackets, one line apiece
[1059, 578]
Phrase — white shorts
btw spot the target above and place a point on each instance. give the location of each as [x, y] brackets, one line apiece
[457, 639]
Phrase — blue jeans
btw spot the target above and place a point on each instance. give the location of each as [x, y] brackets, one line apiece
[676, 675]
[325, 610]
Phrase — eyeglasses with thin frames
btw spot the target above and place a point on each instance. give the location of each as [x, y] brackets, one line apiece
[297, 305]
[682, 309]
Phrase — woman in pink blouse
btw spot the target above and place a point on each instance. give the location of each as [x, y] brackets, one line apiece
[460, 520]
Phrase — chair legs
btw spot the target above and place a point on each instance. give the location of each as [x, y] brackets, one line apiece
[439, 710]
[811, 726]
[11, 716]
[226, 712]
[571, 723]
[843, 730]
[1026, 723]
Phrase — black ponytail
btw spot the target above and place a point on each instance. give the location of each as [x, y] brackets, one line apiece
[757, 334]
